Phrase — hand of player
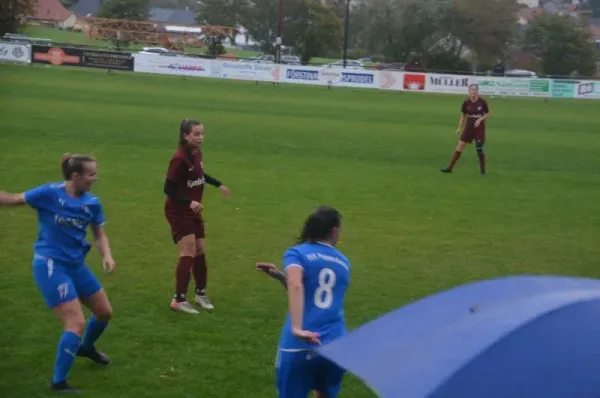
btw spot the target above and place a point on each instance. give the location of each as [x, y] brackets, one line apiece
[196, 207]
[267, 268]
[226, 192]
[108, 264]
[458, 131]
[477, 123]
[307, 335]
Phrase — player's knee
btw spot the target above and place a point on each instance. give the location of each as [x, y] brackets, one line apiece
[71, 316]
[75, 324]
[104, 314]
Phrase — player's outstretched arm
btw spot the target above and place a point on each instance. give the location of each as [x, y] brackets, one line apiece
[273, 272]
[108, 264]
[11, 199]
[216, 183]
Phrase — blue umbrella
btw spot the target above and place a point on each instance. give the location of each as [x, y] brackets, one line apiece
[514, 337]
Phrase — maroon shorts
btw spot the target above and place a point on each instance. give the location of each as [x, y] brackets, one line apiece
[469, 135]
[185, 224]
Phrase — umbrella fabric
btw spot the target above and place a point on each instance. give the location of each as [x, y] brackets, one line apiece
[526, 336]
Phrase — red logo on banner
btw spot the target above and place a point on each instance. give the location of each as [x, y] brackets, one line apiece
[414, 81]
[56, 56]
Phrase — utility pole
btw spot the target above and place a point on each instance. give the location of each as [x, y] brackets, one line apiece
[279, 39]
[346, 22]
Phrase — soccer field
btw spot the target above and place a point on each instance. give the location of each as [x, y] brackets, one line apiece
[408, 229]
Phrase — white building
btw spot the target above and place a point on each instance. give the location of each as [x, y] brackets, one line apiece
[530, 3]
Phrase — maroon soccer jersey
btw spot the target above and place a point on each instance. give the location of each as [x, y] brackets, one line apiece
[473, 111]
[189, 177]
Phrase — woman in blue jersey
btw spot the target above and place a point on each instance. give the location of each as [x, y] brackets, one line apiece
[65, 209]
[316, 277]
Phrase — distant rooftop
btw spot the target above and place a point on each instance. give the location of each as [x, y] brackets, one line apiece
[172, 16]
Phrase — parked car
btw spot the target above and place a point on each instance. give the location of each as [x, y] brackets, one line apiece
[395, 66]
[519, 73]
[154, 50]
[350, 64]
[290, 60]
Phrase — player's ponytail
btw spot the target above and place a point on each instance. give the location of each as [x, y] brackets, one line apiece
[73, 164]
[319, 225]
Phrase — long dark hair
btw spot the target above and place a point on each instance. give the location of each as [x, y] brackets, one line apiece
[319, 225]
[184, 129]
[71, 164]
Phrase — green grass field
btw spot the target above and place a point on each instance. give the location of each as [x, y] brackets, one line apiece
[409, 230]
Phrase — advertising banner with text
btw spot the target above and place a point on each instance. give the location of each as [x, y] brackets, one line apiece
[588, 90]
[361, 78]
[245, 71]
[107, 60]
[563, 88]
[518, 87]
[181, 66]
[14, 52]
[455, 84]
[57, 55]
[364, 78]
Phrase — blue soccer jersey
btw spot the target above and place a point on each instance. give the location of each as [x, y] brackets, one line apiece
[326, 274]
[63, 221]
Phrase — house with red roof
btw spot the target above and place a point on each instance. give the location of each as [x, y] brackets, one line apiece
[50, 11]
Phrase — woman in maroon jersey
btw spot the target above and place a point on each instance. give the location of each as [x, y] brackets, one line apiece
[184, 187]
[474, 112]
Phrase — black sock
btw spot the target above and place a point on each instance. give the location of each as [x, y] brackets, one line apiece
[179, 297]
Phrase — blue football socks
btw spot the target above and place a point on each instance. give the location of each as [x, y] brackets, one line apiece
[93, 331]
[65, 355]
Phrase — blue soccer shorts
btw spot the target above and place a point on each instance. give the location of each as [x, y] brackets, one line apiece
[60, 284]
[299, 372]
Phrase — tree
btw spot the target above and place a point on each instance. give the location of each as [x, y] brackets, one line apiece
[486, 27]
[381, 33]
[222, 13]
[437, 30]
[561, 46]
[338, 7]
[313, 29]
[136, 10]
[403, 29]
[309, 26]
[176, 4]
[422, 28]
[358, 27]
[12, 12]
[260, 20]
[68, 4]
